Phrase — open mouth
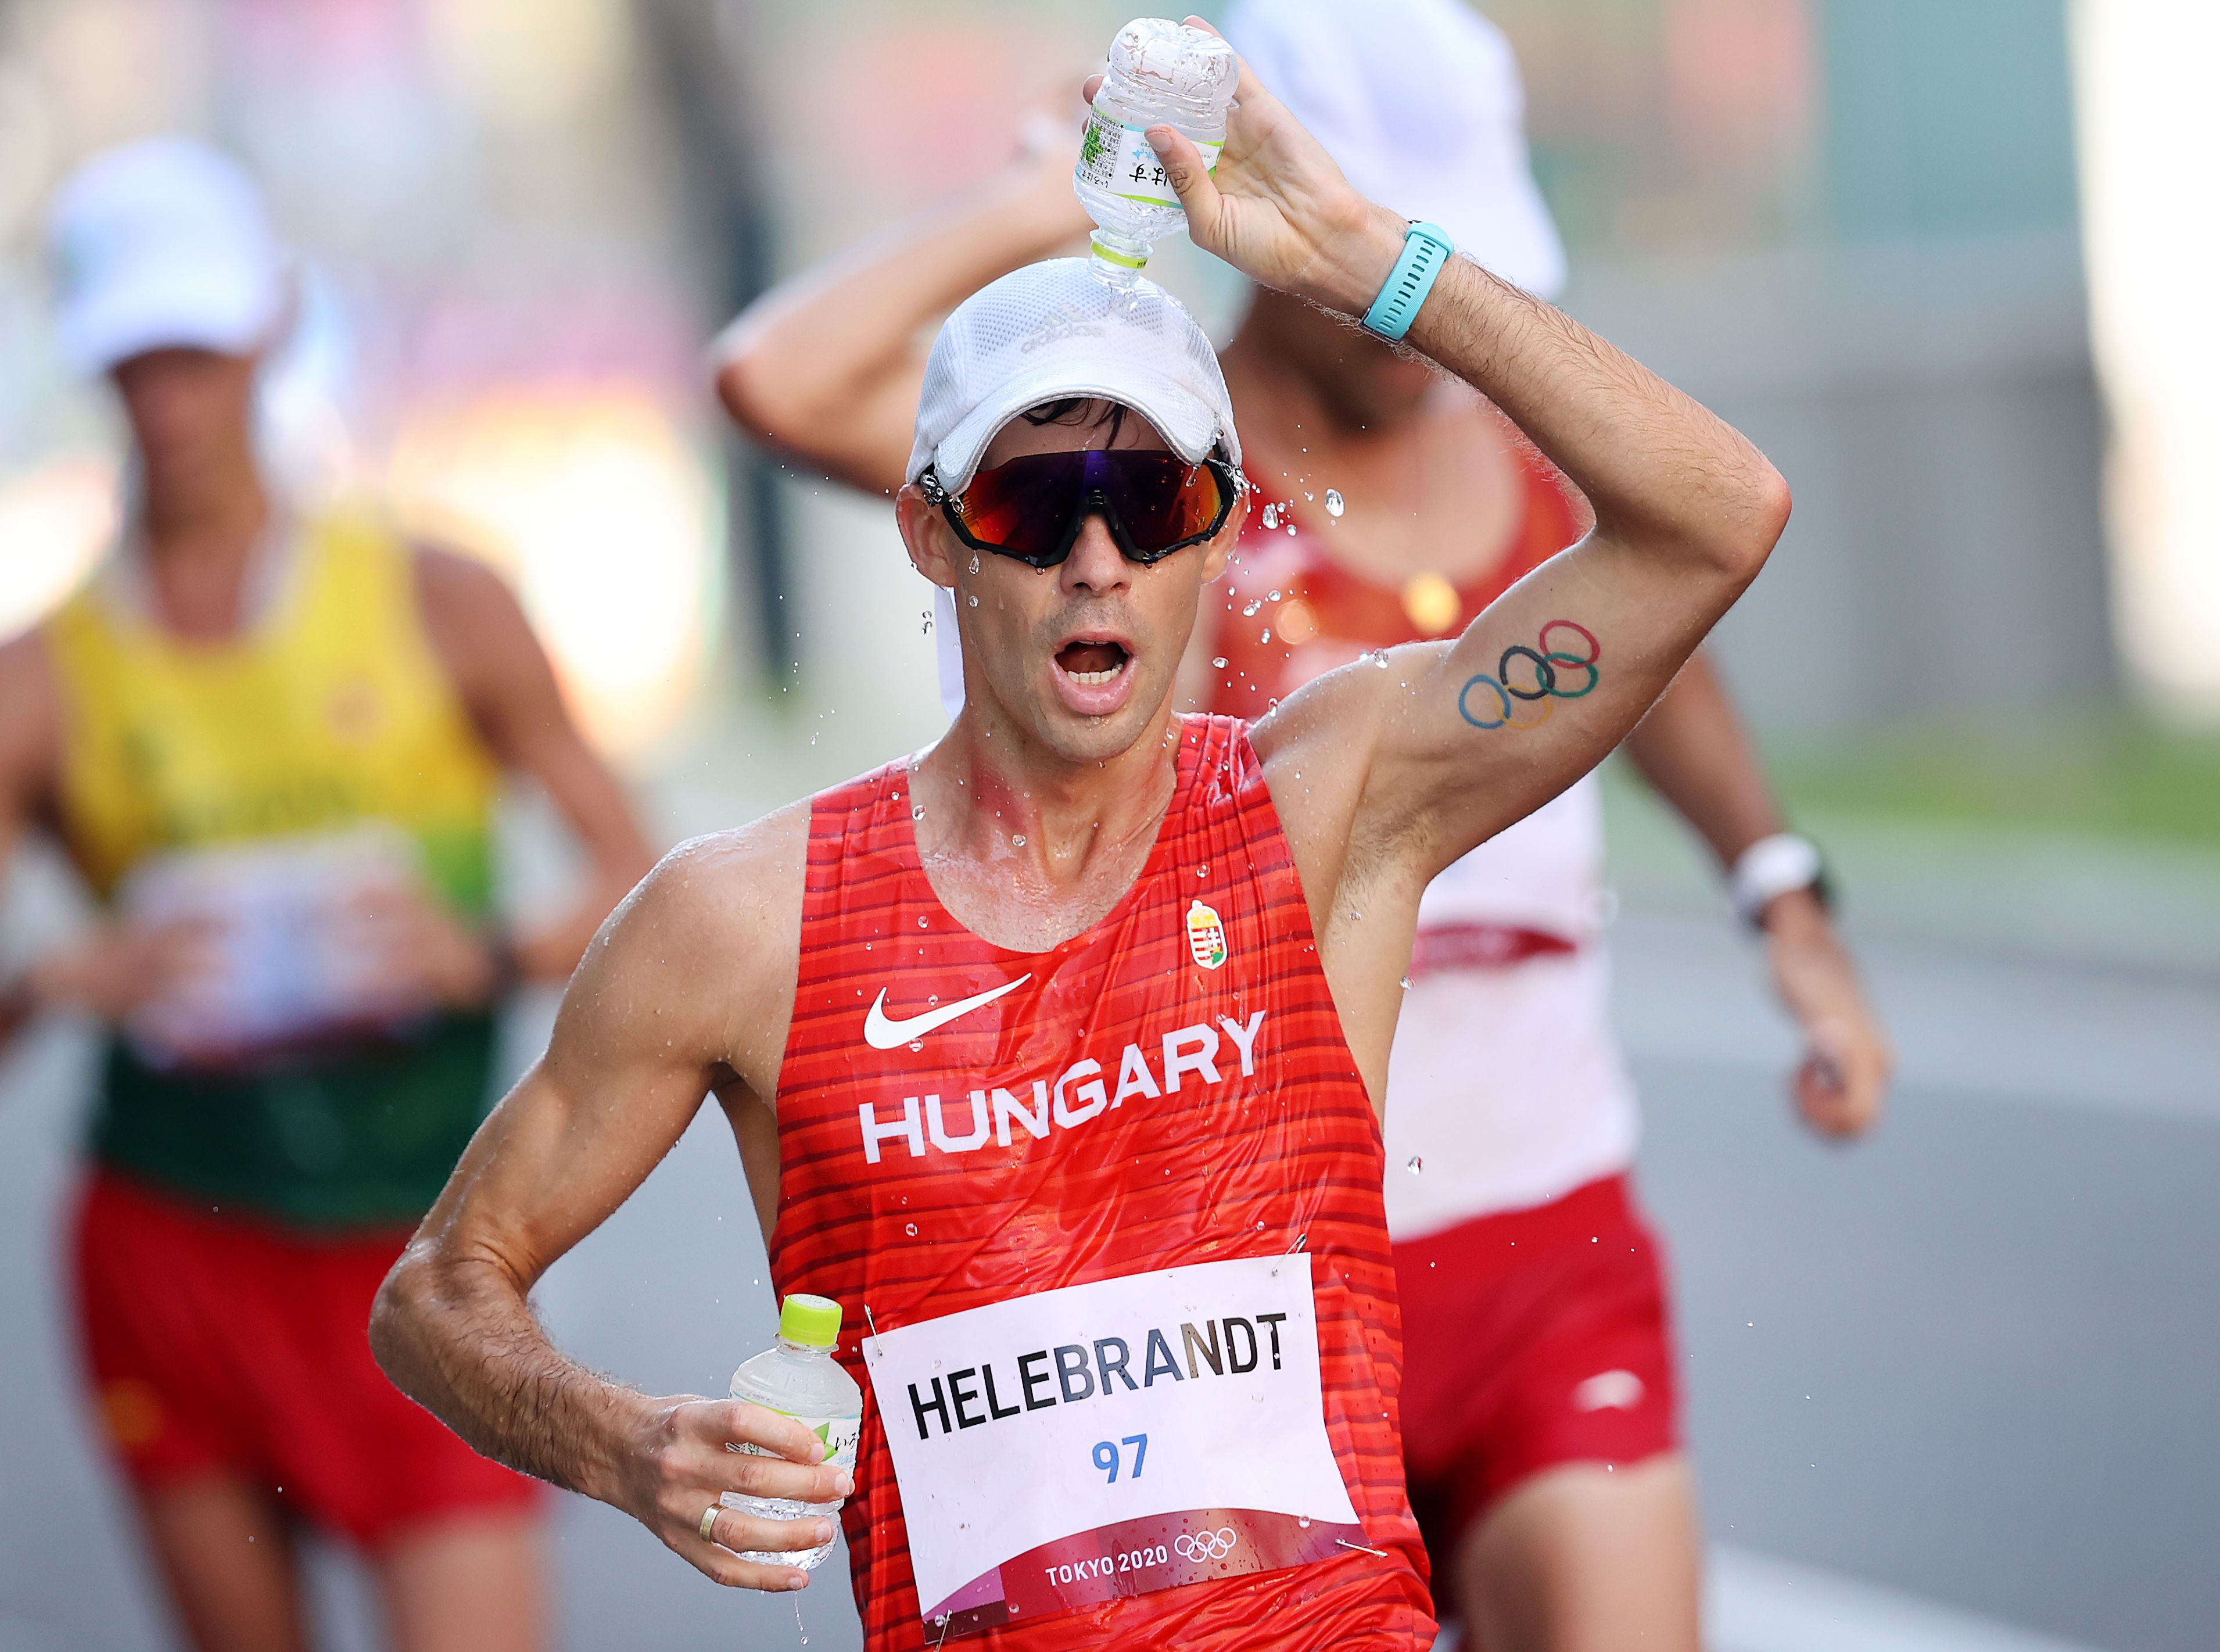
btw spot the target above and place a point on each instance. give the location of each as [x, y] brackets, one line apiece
[1091, 664]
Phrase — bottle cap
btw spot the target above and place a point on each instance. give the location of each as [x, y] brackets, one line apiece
[812, 1321]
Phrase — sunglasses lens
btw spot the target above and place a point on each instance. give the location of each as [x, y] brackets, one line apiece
[1023, 506]
[1162, 500]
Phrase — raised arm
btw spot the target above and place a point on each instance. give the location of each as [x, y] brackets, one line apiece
[1458, 739]
[687, 989]
[826, 366]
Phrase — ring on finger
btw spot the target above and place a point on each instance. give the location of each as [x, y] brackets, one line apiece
[709, 1521]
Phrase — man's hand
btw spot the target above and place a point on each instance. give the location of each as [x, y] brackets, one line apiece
[120, 967]
[1844, 1074]
[679, 1466]
[409, 951]
[1277, 209]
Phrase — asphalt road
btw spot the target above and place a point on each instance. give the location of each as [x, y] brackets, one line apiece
[1971, 1361]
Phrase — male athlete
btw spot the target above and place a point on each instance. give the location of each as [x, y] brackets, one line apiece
[269, 744]
[1540, 1431]
[1054, 1053]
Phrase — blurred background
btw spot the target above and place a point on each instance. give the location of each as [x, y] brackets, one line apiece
[1944, 259]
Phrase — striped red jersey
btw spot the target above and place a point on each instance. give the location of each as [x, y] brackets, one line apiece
[1224, 1118]
[1292, 612]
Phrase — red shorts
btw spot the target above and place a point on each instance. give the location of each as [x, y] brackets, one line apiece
[222, 1344]
[1530, 1338]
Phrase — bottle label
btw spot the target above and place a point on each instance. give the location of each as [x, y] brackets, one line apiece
[839, 1433]
[1117, 159]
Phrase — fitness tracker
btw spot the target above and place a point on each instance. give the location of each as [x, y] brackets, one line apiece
[1426, 247]
[1772, 867]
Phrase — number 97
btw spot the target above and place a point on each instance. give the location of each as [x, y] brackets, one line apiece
[1107, 1457]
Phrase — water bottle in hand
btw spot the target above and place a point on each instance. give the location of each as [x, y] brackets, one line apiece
[1161, 73]
[799, 1379]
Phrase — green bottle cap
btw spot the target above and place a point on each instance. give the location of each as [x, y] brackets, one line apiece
[812, 1321]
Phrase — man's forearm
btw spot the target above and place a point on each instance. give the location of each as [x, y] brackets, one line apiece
[1694, 749]
[830, 348]
[1661, 470]
[460, 1340]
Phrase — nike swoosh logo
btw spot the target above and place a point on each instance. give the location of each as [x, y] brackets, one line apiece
[882, 1032]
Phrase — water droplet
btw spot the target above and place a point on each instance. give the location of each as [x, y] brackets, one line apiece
[1273, 597]
[916, 1045]
[1416, 1164]
[1267, 637]
[917, 811]
[973, 601]
[927, 628]
[1406, 983]
[1380, 658]
[1251, 611]
[920, 923]
[1333, 504]
[974, 562]
[1020, 841]
[910, 1228]
[931, 999]
[1271, 516]
[1219, 663]
[1291, 530]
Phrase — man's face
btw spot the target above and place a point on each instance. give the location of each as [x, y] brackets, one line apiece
[190, 411]
[1081, 655]
[1362, 380]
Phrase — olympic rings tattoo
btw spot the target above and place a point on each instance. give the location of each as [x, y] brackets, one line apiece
[1540, 681]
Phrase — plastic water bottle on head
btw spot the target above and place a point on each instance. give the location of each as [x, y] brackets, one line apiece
[1161, 73]
[799, 1378]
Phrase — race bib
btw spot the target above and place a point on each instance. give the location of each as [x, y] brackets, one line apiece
[1117, 159]
[1064, 1448]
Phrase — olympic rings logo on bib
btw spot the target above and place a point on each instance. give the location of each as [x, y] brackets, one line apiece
[1532, 677]
[1204, 1545]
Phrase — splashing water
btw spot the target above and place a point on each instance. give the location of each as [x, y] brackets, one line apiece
[1334, 506]
[1271, 516]
[1416, 1164]
[1251, 611]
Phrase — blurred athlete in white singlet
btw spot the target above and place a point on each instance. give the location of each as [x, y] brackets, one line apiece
[1539, 1412]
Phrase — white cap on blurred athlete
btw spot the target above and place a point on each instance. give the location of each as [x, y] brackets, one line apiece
[1420, 103]
[1044, 333]
[1055, 329]
[162, 243]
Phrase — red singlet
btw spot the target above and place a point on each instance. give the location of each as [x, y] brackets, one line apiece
[1240, 1129]
[1313, 614]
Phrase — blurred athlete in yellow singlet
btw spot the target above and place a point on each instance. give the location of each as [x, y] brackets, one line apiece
[271, 744]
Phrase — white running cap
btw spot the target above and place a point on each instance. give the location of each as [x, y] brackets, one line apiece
[160, 243]
[1056, 329]
[1420, 103]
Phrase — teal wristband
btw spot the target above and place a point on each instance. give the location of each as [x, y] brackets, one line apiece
[1426, 247]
